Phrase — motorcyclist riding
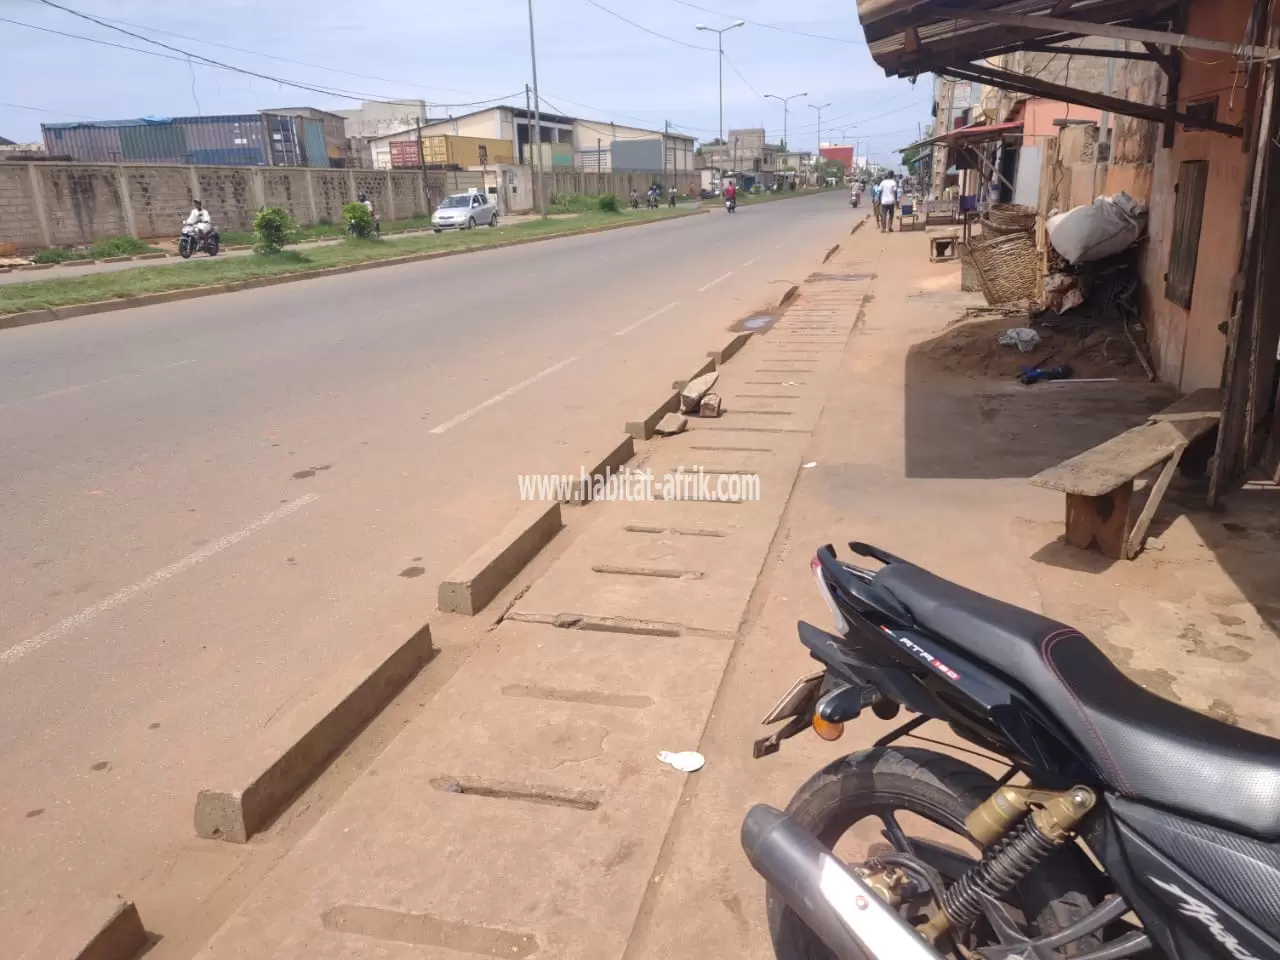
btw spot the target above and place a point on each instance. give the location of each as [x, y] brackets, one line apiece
[199, 219]
[731, 194]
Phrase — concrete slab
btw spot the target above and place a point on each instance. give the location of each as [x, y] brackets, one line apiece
[482, 576]
[531, 781]
[263, 781]
[92, 928]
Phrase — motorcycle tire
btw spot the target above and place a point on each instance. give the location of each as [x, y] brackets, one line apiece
[936, 787]
[212, 247]
[184, 248]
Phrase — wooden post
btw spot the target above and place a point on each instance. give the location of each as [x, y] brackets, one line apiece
[391, 199]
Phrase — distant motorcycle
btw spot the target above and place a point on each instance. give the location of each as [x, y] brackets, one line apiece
[731, 204]
[190, 241]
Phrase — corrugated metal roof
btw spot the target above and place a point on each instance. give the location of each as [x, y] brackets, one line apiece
[156, 121]
[973, 133]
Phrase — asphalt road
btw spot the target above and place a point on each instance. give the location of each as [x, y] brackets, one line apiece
[205, 507]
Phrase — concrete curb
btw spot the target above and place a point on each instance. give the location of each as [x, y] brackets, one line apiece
[831, 253]
[643, 429]
[190, 293]
[482, 576]
[116, 259]
[111, 930]
[160, 255]
[609, 464]
[857, 226]
[706, 368]
[266, 781]
[722, 356]
[786, 297]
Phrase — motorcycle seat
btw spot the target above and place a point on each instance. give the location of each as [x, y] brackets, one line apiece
[1146, 747]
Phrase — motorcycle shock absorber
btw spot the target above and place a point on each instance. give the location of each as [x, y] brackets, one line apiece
[1021, 828]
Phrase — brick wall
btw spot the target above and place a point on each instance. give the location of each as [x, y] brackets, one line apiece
[227, 193]
[18, 222]
[331, 190]
[404, 190]
[82, 202]
[160, 197]
[286, 187]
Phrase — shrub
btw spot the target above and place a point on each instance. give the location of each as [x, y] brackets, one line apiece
[572, 203]
[272, 229]
[58, 255]
[608, 203]
[358, 220]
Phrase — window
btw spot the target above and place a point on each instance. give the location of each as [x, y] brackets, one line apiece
[1184, 249]
[1200, 113]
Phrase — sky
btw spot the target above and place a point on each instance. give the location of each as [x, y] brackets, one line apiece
[591, 63]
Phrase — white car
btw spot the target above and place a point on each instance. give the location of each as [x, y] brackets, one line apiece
[464, 211]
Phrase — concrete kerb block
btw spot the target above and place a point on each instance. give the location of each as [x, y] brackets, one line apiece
[125, 259]
[29, 316]
[159, 255]
[268, 778]
[831, 253]
[857, 226]
[102, 929]
[708, 367]
[580, 493]
[789, 295]
[482, 576]
[643, 429]
[721, 357]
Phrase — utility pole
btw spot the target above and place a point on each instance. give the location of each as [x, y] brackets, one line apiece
[785, 103]
[537, 120]
[528, 136]
[720, 60]
[666, 132]
[599, 166]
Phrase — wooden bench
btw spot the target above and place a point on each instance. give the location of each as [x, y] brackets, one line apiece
[1099, 482]
[944, 246]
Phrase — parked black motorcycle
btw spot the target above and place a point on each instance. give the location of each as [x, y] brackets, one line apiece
[1179, 813]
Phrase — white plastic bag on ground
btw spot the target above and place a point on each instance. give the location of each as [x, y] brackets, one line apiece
[1024, 338]
[1105, 227]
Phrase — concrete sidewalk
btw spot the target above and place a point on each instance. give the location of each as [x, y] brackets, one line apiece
[523, 812]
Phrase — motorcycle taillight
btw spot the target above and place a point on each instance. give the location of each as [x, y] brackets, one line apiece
[842, 625]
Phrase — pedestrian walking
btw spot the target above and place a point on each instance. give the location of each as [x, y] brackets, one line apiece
[888, 200]
[875, 205]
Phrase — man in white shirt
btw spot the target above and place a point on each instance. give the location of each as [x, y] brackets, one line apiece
[888, 200]
[199, 218]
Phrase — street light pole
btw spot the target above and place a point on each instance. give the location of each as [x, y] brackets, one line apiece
[720, 32]
[785, 102]
[819, 108]
[536, 139]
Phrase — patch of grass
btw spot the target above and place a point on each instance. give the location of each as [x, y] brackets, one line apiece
[124, 246]
[42, 294]
[573, 203]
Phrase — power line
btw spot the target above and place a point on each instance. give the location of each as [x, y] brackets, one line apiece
[734, 67]
[655, 33]
[24, 106]
[209, 61]
[770, 26]
[272, 56]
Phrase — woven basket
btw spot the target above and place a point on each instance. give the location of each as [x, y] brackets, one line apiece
[1008, 267]
[991, 229]
[1008, 217]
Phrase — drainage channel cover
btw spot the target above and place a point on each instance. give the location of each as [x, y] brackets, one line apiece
[757, 323]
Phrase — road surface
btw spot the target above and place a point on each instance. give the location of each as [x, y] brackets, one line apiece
[205, 507]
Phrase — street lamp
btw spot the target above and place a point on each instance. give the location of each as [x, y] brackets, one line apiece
[785, 102]
[819, 108]
[720, 49]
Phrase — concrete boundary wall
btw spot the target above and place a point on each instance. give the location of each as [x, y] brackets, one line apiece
[66, 204]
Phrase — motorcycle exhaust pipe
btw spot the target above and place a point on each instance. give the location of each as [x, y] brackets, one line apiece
[833, 901]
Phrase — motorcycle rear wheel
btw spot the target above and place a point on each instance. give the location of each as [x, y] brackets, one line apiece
[881, 782]
[213, 246]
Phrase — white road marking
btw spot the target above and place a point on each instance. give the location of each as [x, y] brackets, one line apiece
[714, 282]
[752, 260]
[509, 392]
[120, 597]
[657, 313]
[92, 383]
